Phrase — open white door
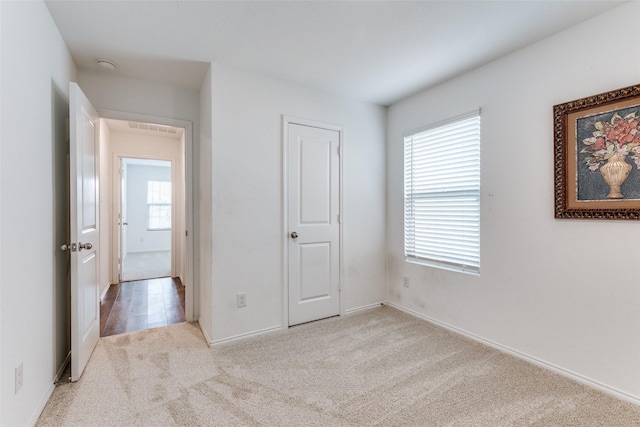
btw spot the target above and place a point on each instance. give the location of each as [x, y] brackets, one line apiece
[313, 169]
[84, 208]
[122, 217]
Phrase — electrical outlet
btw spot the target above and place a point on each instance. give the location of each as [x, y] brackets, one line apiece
[405, 281]
[242, 299]
[19, 378]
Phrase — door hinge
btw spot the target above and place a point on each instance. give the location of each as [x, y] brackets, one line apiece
[339, 219]
[186, 233]
[339, 151]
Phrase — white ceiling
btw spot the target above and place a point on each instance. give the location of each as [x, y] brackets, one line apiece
[375, 51]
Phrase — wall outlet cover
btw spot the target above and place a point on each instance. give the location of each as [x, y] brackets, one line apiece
[242, 299]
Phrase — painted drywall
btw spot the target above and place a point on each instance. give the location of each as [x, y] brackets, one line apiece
[247, 205]
[113, 92]
[204, 192]
[61, 231]
[105, 208]
[1, 198]
[139, 238]
[35, 62]
[560, 291]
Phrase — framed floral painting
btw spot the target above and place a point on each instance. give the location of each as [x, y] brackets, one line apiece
[597, 156]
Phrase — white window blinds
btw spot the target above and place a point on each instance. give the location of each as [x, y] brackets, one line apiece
[158, 205]
[442, 195]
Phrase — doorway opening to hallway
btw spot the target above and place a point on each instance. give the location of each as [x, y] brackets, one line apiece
[147, 223]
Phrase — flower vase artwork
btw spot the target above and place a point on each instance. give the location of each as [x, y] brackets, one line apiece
[607, 149]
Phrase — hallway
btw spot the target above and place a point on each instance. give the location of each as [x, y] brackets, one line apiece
[142, 304]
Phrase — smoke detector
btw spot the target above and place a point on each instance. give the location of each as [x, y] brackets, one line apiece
[106, 64]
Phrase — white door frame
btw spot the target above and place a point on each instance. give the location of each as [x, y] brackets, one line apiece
[292, 120]
[116, 220]
[189, 200]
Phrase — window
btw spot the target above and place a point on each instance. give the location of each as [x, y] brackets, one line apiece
[442, 195]
[158, 205]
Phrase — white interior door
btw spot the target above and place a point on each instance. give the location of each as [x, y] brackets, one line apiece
[313, 170]
[84, 208]
[122, 217]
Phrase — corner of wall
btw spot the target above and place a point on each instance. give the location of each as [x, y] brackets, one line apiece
[205, 209]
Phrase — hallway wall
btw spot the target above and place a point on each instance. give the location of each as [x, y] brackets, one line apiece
[35, 64]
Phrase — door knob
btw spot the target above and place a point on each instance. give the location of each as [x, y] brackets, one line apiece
[294, 235]
[65, 247]
[86, 246]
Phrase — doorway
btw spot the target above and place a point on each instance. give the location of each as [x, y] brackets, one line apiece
[144, 181]
[90, 146]
[145, 219]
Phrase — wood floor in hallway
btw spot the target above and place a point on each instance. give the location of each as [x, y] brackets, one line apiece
[142, 304]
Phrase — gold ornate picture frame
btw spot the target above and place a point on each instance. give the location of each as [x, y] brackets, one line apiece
[597, 156]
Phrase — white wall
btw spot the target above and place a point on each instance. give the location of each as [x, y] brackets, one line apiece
[204, 193]
[562, 291]
[34, 62]
[105, 208]
[112, 91]
[61, 232]
[248, 235]
[139, 238]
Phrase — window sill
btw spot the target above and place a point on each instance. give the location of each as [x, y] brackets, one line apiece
[443, 266]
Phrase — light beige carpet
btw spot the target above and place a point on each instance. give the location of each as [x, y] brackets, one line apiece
[377, 367]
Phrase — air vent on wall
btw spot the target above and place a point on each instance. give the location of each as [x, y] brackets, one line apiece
[153, 128]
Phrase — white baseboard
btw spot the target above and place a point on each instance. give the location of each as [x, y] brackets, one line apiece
[247, 335]
[364, 307]
[62, 368]
[207, 338]
[36, 414]
[531, 359]
[104, 293]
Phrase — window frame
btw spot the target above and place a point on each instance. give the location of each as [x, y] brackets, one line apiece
[460, 262]
[152, 204]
